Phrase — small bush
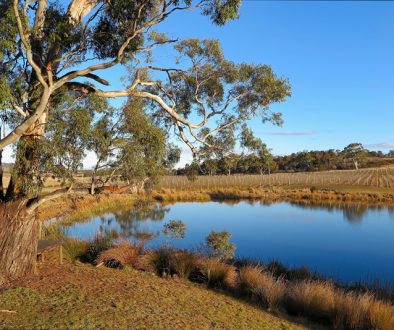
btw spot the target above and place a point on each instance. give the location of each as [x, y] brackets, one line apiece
[120, 255]
[219, 245]
[174, 229]
[219, 274]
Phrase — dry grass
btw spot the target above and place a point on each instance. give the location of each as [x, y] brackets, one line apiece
[323, 302]
[81, 296]
[256, 283]
[271, 290]
[351, 311]
[312, 299]
[121, 255]
[250, 279]
[219, 274]
[382, 315]
[74, 248]
[185, 264]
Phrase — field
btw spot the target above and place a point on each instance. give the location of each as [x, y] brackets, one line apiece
[381, 179]
[369, 180]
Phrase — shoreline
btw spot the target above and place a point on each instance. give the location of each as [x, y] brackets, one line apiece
[72, 207]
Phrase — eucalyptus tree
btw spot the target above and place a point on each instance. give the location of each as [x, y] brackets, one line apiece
[356, 153]
[50, 49]
[260, 157]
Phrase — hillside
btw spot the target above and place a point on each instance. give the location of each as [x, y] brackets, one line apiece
[82, 296]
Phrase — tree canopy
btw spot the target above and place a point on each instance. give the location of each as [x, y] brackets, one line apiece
[53, 54]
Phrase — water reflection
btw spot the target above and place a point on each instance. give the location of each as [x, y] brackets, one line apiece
[352, 212]
[296, 233]
[130, 223]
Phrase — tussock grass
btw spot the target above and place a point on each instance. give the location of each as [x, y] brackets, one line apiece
[381, 315]
[219, 274]
[271, 290]
[186, 264]
[249, 279]
[322, 302]
[74, 248]
[256, 283]
[312, 299]
[96, 246]
[161, 259]
[121, 255]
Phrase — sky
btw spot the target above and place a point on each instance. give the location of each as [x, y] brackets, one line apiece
[337, 55]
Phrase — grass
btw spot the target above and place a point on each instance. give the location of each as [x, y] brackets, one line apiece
[120, 256]
[81, 296]
[219, 274]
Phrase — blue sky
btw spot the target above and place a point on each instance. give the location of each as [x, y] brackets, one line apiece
[338, 56]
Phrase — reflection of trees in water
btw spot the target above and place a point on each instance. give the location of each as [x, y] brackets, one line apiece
[353, 212]
[130, 221]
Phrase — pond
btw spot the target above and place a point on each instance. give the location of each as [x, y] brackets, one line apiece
[349, 242]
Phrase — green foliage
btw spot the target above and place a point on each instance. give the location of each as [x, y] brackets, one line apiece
[219, 245]
[131, 143]
[67, 135]
[174, 229]
[355, 152]
[143, 146]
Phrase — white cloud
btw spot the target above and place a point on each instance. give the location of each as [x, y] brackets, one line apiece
[382, 145]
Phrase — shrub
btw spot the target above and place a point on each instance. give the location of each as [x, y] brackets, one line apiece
[311, 299]
[121, 255]
[174, 229]
[219, 274]
[219, 245]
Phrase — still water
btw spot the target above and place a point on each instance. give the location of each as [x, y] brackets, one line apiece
[348, 242]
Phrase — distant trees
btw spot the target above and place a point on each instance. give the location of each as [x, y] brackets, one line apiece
[356, 153]
[257, 158]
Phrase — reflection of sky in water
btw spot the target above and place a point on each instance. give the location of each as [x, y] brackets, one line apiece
[349, 242]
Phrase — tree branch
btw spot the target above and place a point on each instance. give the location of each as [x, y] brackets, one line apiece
[36, 202]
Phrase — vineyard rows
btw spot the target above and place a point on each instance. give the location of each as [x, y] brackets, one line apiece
[377, 177]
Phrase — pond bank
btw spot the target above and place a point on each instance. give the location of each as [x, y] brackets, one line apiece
[74, 208]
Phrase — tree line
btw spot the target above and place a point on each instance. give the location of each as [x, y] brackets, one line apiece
[256, 158]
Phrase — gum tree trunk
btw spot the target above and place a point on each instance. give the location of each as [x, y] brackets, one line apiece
[19, 232]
